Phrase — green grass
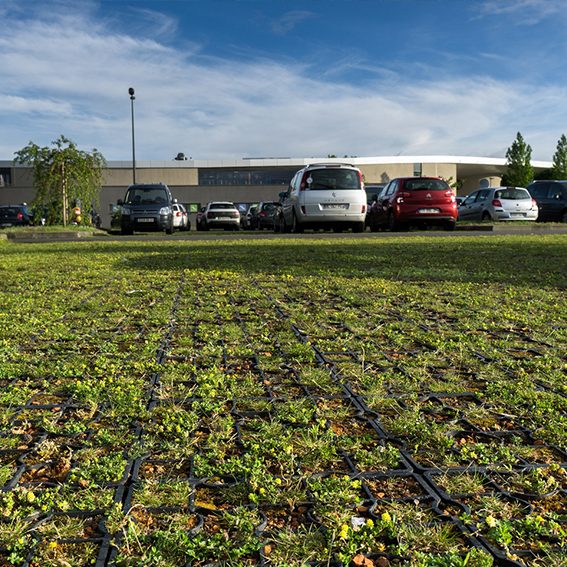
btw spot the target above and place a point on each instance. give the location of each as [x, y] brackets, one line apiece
[221, 377]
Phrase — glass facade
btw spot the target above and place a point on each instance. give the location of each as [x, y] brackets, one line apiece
[276, 176]
[5, 176]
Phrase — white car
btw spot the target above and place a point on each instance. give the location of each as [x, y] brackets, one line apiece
[499, 203]
[323, 195]
[219, 214]
[180, 217]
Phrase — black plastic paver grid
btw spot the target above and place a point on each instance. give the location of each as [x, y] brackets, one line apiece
[275, 421]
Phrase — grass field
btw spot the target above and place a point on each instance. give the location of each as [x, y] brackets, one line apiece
[374, 402]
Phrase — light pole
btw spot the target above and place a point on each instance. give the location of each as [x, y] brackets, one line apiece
[132, 97]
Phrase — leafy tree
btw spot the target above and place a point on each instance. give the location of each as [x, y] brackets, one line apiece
[519, 172]
[559, 168]
[64, 177]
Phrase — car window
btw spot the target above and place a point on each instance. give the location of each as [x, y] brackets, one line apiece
[483, 195]
[222, 206]
[146, 196]
[539, 190]
[512, 194]
[471, 198]
[336, 179]
[425, 185]
[391, 188]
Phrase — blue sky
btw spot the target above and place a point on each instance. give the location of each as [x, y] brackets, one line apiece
[225, 79]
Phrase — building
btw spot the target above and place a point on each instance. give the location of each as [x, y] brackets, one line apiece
[250, 180]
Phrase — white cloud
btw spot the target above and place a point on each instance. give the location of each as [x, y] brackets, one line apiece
[69, 72]
[526, 12]
[289, 21]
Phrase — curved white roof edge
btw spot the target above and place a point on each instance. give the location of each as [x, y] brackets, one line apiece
[288, 161]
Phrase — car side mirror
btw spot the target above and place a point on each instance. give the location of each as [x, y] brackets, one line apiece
[174, 201]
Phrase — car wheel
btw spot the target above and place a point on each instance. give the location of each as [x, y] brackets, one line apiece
[358, 227]
[296, 228]
[126, 232]
[564, 216]
[486, 216]
[169, 230]
[449, 225]
[393, 224]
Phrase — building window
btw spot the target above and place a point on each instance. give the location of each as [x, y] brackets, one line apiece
[5, 176]
[245, 176]
[417, 169]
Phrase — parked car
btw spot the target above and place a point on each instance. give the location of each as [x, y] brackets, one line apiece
[551, 199]
[372, 194]
[218, 214]
[181, 219]
[263, 216]
[323, 195]
[499, 203]
[14, 215]
[246, 218]
[419, 201]
[460, 199]
[147, 207]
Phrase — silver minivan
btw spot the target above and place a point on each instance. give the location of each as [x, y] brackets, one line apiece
[323, 196]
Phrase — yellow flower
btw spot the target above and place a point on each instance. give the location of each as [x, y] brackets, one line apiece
[52, 544]
[369, 522]
[491, 521]
[344, 531]
[386, 517]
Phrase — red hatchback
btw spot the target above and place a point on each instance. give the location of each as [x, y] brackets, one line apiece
[418, 201]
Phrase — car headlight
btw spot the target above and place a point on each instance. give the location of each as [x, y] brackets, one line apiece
[165, 211]
[125, 210]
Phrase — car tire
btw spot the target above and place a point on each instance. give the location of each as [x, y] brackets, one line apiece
[486, 216]
[126, 232]
[296, 228]
[169, 230]
[393, 224]
[449, 226]
[358, 227]
[564, 216]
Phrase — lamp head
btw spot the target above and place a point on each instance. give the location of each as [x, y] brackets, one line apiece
[131, 92]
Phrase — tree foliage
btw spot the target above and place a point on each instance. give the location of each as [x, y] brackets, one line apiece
[559, 168]
[519, 172]
[63, 177]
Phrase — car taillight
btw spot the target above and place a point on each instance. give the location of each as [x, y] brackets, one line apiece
[262, 214]
[402, 196]
[20, 216]
[303, 184]
[363, 209]
[178, 214]
[361, 180]
[534, 204]
[210, 215]
[496, 203]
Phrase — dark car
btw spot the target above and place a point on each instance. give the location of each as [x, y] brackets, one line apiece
[263, 216]
[551, 199]
[14, 215]
[414, 201]
[372, 194]
[147, 207]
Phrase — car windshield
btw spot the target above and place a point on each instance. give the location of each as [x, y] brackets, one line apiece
[426, 185]
[222, 206]
[334, 179]
[146, 196]
[512, 194]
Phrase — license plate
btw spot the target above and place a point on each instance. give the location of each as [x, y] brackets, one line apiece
[223, 218]
[145, 220]
[333, 206]
[428, 211]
